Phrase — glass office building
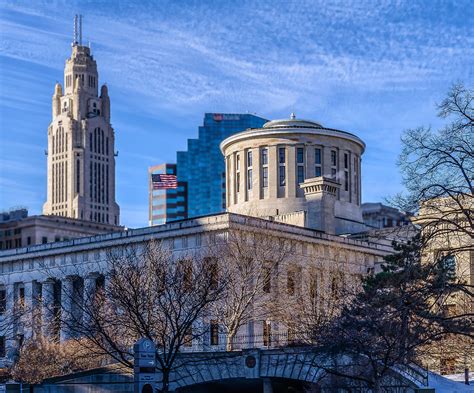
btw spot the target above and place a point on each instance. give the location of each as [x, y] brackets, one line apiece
[202, 166]
[169, 204]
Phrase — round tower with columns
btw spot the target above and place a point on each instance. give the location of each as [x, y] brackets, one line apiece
[296, 171]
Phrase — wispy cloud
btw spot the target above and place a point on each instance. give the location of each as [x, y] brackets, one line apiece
[371, 68]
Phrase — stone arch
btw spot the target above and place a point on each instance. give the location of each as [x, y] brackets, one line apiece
[283, 363]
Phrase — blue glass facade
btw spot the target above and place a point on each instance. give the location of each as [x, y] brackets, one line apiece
[166, 205]
[202, 166]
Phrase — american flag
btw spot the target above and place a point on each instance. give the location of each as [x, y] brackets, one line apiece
[163, 182]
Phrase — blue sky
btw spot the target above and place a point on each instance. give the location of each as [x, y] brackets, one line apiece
[372, 68]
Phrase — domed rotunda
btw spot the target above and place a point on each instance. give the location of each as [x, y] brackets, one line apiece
[296, 171]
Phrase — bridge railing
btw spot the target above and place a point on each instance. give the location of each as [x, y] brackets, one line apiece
[221, 342]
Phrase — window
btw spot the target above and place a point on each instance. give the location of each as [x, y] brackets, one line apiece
[187, 274]
[281, 155]
[20, 340]
[249, 158]
[281, 166]
[317, 156]
[237, 175]
[300, 174]
[333, 158]
[300, 155]
[214, 333]
[78, 177]
[44, 240]
[290, 283]
[300, 165]
[249, 179]
[265, 177]
[282, 175]
[249, 170]
[265, 156]
[3, 351]
[21, 297]
[211, 264]
[346, 172]
[267, 283]
[264, 167]
[3, 300]
[317, 163]
[267, 333]
[28, 240]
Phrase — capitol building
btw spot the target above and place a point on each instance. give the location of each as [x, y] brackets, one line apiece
[294, 180]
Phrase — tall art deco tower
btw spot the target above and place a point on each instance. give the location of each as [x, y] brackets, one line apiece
[81, 160]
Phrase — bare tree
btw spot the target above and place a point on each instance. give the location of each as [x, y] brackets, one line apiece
[149, 294]
[438, 170]
[41, 358]
[249, 262]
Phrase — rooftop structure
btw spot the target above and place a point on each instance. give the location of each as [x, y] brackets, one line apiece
[23, 230]
[378, 215]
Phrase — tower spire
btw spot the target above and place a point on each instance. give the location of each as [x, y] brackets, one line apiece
[77, 39]
[80, 30]
[74, 41]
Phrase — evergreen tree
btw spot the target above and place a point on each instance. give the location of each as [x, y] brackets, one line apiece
[399, 311]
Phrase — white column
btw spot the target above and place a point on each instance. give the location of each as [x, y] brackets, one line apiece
[9, 330]
[67, 299]
[27, 318]
[47, 307]
[35, 308]
[90, 289]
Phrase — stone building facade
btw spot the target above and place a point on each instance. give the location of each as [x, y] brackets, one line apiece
[446, 224]
[81, 143]
[39, 277]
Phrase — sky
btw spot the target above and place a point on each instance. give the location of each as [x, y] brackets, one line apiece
[373, 68]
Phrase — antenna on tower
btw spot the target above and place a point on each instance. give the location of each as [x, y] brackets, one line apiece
[80, 30]
[74, 41]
